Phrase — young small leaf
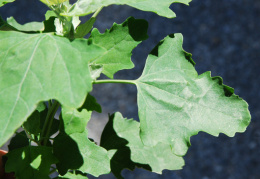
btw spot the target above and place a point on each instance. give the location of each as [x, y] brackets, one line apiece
[85, 28]
[175, 103]
[50, 14]
[119, 42]
[85, 7]
[75, 121]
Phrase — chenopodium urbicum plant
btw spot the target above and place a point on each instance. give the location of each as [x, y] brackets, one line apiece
[48, 65]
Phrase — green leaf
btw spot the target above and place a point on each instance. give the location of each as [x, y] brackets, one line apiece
[95, 71]
[85, 28]
[84, 155]
[73, 176]
[119, 42]
[122, 135]
[76, 151]
[53, 2]
[85, 7]
[30, 162]
[96, 160]
[33, 123]
[175, 103]
[31, 26]
[3, 2]
[4, 26]
[18, 141]
[75, 121]
[91, 104]
[50, 14]
[48, 67]
[41, 107]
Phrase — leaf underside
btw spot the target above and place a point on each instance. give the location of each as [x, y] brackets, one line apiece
[85, 7]
[38, 67]
[175, 103]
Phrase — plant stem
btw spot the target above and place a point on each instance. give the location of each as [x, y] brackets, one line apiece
[97, 12]
[48, 122]
[115, 81]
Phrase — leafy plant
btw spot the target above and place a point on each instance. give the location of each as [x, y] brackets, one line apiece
[48, 65]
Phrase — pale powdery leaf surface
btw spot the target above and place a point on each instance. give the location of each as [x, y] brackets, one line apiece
[175, 103]
[121, 138]
[38, 67]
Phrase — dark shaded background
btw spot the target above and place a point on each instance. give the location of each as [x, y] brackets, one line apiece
[224, 37]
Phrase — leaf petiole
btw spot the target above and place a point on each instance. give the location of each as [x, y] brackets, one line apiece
[48, 122]
[97, 12]
[115, 81]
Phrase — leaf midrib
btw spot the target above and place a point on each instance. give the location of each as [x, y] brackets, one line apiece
[21, 84]
[182, 99]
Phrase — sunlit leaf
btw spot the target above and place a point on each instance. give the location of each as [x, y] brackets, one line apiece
[75, 121]
[85, 155]
[85, 7]
[38, 67]
[175, 103]
[53, 2]
[119, 42]
[31, 26]
[122, 136]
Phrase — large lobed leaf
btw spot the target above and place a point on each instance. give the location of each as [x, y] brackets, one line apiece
[175, 103]
[85, 7]
[121, 138]
[37, 67]
[118, 43]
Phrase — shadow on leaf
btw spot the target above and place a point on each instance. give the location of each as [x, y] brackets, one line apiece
[121, 153]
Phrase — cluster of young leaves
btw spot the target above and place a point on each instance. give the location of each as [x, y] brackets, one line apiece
[41, 61]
